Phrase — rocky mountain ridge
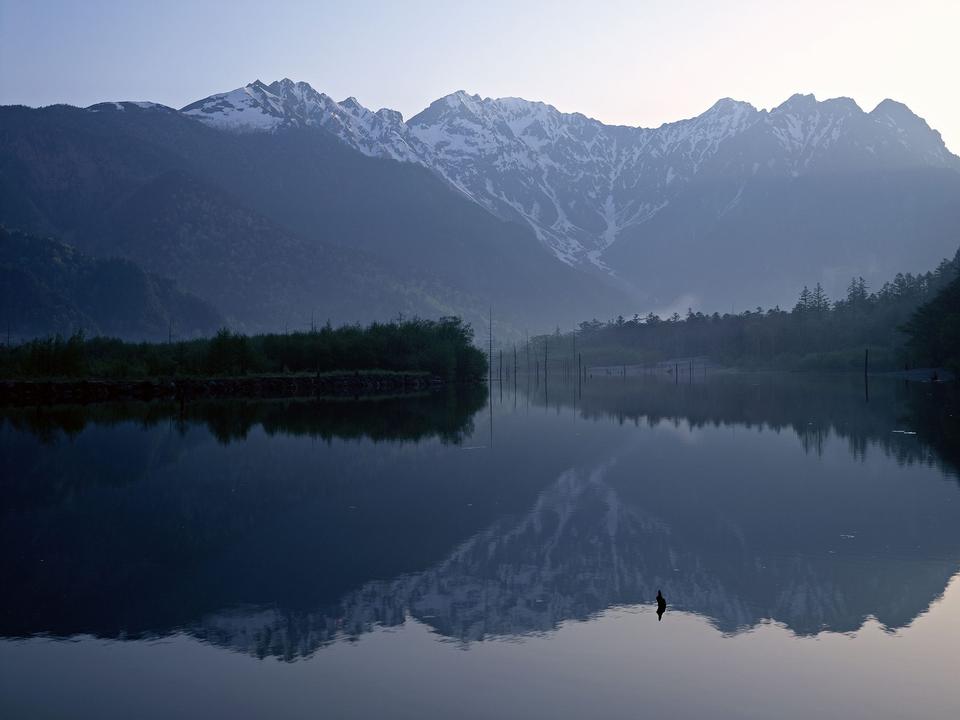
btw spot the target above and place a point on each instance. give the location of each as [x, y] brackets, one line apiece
[582, 185]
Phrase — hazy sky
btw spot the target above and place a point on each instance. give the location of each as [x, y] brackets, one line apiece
[636, 62]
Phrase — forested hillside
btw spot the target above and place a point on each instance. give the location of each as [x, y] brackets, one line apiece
[48, 287]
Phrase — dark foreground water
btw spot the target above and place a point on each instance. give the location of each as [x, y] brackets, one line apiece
[422, 558]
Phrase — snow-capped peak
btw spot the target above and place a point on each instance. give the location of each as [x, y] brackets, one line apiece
[259, 107]
[250, 108]
[123, 105]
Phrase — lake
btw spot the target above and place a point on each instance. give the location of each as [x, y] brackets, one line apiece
[488, 555]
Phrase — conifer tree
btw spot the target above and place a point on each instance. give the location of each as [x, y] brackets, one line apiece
[819, 302]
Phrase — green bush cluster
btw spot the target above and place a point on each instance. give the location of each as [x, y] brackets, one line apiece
[443, 348]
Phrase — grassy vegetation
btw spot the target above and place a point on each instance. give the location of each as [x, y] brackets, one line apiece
[442, 348]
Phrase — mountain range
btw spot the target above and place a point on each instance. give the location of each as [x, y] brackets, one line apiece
[276, 203]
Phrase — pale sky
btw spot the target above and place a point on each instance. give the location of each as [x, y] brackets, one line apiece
[636, 62]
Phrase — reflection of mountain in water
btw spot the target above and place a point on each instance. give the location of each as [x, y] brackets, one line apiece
[583, 549]
[277, 545]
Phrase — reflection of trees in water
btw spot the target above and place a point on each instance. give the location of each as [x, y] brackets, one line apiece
[446, 414]
[814, 407]
[934, 414]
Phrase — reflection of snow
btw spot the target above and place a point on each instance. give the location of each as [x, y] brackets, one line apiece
[580, 550]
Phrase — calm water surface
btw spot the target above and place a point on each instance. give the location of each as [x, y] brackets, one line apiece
[459, 555]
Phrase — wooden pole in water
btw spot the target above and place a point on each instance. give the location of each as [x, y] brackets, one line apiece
[545, 341]
[866, 380]
[573, 357]
[490, 354]
[528, 353]
[500, 368]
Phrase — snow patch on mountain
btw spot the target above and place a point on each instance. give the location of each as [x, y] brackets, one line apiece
[128, 105]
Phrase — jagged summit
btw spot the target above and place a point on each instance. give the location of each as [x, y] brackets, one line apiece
[888, 106]
[463, 96]
[797, 101]
[727, 104]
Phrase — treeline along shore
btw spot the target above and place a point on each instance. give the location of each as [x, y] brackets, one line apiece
[912, 321]
[402, 356]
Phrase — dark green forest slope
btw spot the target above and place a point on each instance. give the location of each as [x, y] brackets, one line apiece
[48, 287]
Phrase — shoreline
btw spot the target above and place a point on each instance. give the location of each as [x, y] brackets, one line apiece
[346, 384]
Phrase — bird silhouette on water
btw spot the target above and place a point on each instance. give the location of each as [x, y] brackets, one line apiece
[661, 605]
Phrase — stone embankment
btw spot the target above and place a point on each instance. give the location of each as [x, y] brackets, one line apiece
[34, 392]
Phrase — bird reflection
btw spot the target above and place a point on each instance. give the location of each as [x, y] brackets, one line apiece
[661, 605]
